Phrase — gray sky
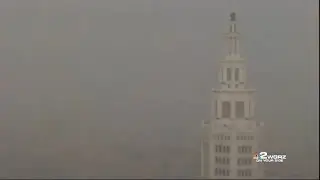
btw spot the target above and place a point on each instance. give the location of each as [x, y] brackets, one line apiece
[120, 87]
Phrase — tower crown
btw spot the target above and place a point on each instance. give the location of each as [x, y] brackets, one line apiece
[233, 70]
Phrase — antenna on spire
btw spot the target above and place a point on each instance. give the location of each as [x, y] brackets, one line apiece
[232, 9]
[233, 16]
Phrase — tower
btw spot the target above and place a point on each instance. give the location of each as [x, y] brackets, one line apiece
[231, 136]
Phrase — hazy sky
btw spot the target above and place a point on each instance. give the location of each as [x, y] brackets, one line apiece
[120, 87]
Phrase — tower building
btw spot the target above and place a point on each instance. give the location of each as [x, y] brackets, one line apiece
[231, 136]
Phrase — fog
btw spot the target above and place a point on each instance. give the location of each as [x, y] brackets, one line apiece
[119, 88]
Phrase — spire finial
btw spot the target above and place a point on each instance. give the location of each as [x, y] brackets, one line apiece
[233, 16]
[233, 41]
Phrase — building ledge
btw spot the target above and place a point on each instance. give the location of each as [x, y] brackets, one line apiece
[234, 90]
[231, 34]
[233, 58]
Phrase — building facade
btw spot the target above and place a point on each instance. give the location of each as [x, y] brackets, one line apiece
[231, 136]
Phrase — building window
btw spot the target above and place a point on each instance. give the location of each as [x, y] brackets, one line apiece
[222, 160]
[244, 172]
[249, 109]
[221, 172]
[241, 137]
[229, 74]
[222, 149]
[244, 161]
[216, 108]
[226, 109]
[239, 109]
[226, 149]
[236, 74]
[221, 137]
[244, 149]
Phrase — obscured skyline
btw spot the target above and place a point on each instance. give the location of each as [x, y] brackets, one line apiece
[119, 88]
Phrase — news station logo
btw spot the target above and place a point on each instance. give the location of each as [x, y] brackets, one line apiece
[265, 157]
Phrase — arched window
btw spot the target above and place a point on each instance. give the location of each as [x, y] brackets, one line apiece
[239, 109]
[216, 108]
[237, 74]
[229, 74]
[226, 109]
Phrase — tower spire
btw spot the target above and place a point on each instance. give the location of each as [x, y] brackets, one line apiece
[233, 67]
[232, 36]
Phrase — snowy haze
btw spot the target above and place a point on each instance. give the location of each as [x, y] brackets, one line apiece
[118, 88]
